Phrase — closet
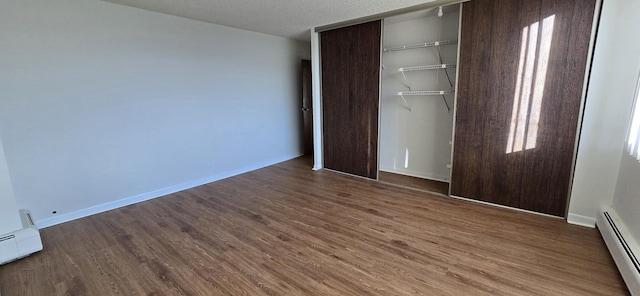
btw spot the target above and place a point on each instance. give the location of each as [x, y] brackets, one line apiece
[417, 97]
[485, 97]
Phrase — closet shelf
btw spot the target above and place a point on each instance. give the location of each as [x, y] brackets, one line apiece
[426, 92]
[420, 45]
[428, 67]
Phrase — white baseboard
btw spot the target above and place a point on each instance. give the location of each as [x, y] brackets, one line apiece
[581, 220]
[66, 217]
[623, 248]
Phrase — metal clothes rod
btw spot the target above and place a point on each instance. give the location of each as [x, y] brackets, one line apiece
[420, 45]
[428, 67]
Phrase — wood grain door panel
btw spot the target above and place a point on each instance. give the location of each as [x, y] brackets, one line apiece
[522, 68]
[350, 98]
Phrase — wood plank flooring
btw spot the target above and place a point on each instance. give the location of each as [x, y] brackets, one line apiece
[287, 230]
[414, 182]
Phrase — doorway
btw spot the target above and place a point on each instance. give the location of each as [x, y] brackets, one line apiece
[307, 110]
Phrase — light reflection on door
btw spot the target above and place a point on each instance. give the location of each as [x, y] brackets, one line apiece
[529, 93]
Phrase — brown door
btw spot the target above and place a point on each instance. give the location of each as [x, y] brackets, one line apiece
[521, 72]
[350, 98]
[307, 110]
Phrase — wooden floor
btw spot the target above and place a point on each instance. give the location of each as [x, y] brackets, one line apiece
[287, 230]
[414, 182]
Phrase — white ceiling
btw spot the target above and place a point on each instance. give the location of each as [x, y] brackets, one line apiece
[286, 18]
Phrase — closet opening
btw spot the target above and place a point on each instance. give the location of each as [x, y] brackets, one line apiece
[307, 110]
[419, 62]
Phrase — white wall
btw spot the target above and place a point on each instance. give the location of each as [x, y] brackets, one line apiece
[626, 202]
[9, 216]
[614, 72]
[316, 100]
[416, 142]
[103, 103]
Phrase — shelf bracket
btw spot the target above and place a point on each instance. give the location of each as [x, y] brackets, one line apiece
[446, 103]
[406, 104]
[445, 69]
[407, 84]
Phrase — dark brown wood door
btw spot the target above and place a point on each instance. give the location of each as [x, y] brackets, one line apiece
[522, 67]
[350, 98]
[307, 109]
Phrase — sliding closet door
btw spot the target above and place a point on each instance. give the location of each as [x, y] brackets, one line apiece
[350, 98]
[522, 68]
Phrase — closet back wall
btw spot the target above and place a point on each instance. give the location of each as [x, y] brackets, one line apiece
[416, 142]
[104, 104]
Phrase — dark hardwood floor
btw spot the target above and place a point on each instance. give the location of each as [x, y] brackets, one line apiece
[287, 230]
[414, 182]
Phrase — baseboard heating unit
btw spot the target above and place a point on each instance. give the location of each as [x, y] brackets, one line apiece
[20, 243]
[623, 248]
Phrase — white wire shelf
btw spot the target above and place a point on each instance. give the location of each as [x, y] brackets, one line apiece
[420, 45]
[428, 67]
[426, 92]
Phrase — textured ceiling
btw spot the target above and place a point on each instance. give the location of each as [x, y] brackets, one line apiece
[286, 18]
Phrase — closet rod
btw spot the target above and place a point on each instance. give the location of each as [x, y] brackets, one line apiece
[429, 67]
[425, 92]
[420, 45]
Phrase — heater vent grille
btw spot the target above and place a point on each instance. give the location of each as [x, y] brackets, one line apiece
[623, 242]
[6, 238]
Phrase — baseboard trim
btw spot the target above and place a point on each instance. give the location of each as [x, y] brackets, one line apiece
[66, 217]
[580, 220]
[623, 248]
